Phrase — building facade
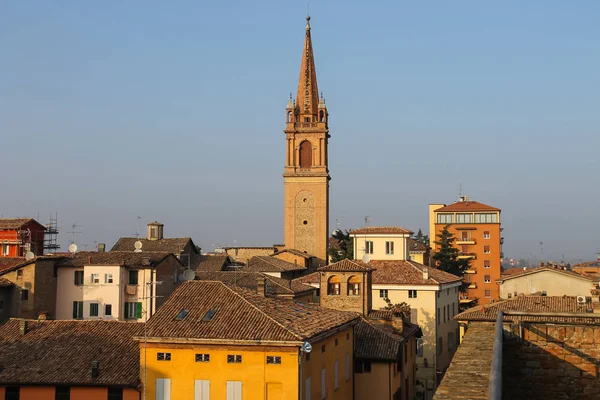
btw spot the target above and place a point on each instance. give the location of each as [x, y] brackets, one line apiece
[20, 235]
[306, 177]
[478, 237]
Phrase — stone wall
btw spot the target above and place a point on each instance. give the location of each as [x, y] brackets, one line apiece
[553, 362]
[243, 254]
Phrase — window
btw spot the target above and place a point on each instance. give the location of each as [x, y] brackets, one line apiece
[486, 234]
[487, 278]
[12, 393]
[234, 359]
[453, 310]
[108, 278]
[348, 365]
[93, 309]
[486, 250]
[412, 294]
[414, 317]
[133, 277]
[353, 286]
[307, 388]
[117, 394]
[440, 346]
[369, 247]
[77, 309]
[163, 356]
[182, 314]
[438, 316]
[202, 357]
[464, 249]
[107, 310]
[465, 235]
[95, 278]
[273, 360]
[24, 294]
[347, 336]
[444, 218]
[333, 286]
[323, 349]
[419, 347]
[201, 389]
[361, 367]
[133, 310]
[389, 247]
[486, 218]
[488, 294]
[323, 383]
[19, 273]
[336, 375]
[464, 218]
[444, 312]
[336, 341]
[5, 249]
[383, 293]
[163, 389]
[62, 393]
[306, 154]
[450, 342]
[487, 264]
[78, 278]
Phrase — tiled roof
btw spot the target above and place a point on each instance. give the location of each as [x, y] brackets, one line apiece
[271, 264]
[520, 272]
[240, 314]
[171, 245]
[249, 247]
[295, 252]
[310, 278]
[213, 262]
[383, 230]
[123, 258]
[466, 206]
[533, 305]
[375, 344]
[61, 353]
[248, 280]
[381, 314]
[15, 223]
[403, 272]
[413, 245]
[5, 283]
[347, 265]
[9, 263]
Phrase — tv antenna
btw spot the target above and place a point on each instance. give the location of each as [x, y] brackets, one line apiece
[137, 227]
[74, 231]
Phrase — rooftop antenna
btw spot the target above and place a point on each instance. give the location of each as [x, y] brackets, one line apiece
[460, 190]
[137, 227]
[74, 231]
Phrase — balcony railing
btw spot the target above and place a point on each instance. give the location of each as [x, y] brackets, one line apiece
[466, 241]
[472, 285]
[471, 271]
[467, 255]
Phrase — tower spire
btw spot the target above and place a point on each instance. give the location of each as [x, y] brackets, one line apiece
[307, 99]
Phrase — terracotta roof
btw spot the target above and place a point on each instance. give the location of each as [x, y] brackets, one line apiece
[171, 245]
[383, 230]
[310, 278]
[16, 223]
[271, 264]
[248, 280]
[240, 314]
[123, 258]
[213, 263]
[466, 206]
[520, 272]
[533, 305]
[381, 314]
[413, 245]
[402, 272]
[9, 263]
[61, 353]
[347, 265]
[296, 253]
[6, 283]
[375, 344]
[249, 247]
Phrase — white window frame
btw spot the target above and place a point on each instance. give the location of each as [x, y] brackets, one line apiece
[95, 278]
[487, 279]
[389, 247]
[486, 234]
[108, 278]
[489, 264]
[489, 250]
[369, 247]
[383, 292]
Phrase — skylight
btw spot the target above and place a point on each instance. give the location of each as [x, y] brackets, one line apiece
[209, 315]
[182, 314]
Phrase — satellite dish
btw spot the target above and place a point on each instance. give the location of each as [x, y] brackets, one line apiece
[366, 259]
[138, 247]
[72, 248]
[306, 347]
[29, 255]
[335, 231]
[189, 275]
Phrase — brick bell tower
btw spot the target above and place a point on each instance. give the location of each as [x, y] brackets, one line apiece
[306, 177]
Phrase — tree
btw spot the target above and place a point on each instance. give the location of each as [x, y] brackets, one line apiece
[399, 308]
[446, 257]
[340, 246]
[421, 238]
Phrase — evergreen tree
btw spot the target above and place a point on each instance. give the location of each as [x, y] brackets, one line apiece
[421, 238]
[344, 248]
[446, 256]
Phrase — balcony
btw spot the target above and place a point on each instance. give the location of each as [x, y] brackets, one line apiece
[472, 285]
[466, 241]
[463, 255]
[471, 271]
[131, 290]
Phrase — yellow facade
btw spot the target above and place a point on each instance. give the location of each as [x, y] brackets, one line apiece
[259, 380]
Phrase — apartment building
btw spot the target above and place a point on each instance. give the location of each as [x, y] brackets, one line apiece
[115, 285]
[547, 281]
[212, 340]
[477, 229]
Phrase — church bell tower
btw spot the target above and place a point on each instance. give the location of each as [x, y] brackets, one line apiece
[306, 177]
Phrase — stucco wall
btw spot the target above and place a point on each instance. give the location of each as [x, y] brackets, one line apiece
[554, 283]
[400, 248]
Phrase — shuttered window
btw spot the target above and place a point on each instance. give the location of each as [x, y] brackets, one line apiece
[202, 390]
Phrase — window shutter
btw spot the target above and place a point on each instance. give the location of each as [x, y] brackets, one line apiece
[202, 390]
[80, 309]
[126, 310]
[139, 310]
[74, 310]
[347, 366]
[323, 383]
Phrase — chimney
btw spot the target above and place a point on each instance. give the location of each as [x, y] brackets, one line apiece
[101, 247]
[425, 273]
[95, 369]
[261, 286]
[23, 326]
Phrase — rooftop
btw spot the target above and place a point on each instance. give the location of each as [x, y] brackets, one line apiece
[347, 265]
[271, 264]
[295, 252]
[248, 280]
[518, 272]
[122, 258]
[16, 223]
[415, 246]
[225, 312]
[9, 263]
[382, 230]
[467, 206]
[171, 245]
[402, 272]
[213, 262]
[61, 353]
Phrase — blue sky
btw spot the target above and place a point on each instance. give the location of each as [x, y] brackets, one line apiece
[174, 111]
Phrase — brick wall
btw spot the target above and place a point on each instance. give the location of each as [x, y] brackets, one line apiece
[553, 362]
[242, 254]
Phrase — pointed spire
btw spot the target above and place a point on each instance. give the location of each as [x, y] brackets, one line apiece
[307, 98]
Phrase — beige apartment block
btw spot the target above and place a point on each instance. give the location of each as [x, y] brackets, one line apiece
[545, 280]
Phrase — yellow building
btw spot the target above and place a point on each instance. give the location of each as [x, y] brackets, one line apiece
[227, 342]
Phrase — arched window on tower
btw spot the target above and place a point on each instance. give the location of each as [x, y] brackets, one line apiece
[305, 154]
[354, 286]
[333, 286]
[321, 116]
[289, 116]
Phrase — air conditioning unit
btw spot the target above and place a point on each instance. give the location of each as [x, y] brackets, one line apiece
[580, 300]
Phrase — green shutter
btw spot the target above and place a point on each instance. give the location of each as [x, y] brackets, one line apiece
[126, 310]
[74, 310]
[139, 310]
[80, 310]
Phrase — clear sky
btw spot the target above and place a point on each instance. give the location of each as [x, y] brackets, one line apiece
[174, 111]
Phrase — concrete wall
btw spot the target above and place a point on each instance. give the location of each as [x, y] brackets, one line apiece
[553, 282]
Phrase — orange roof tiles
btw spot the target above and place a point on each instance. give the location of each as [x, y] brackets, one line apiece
[466, 206]
[383, 230]
[403, 272]
[347, 265]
